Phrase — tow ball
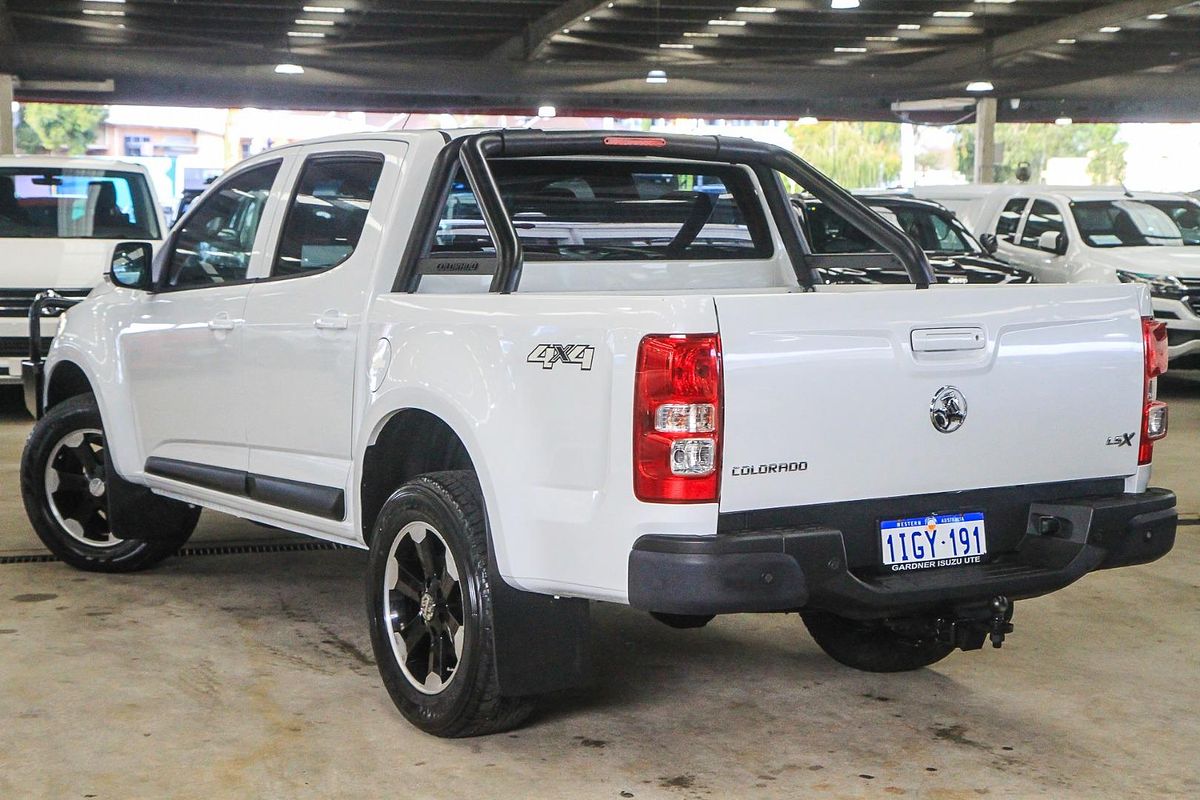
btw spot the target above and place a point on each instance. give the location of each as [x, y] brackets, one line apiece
[972, 625]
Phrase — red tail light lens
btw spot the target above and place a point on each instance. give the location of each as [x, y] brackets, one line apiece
[1154, 412]
[677, 419]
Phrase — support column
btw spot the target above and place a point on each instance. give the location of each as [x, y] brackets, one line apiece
[985, 140]
[7, 145]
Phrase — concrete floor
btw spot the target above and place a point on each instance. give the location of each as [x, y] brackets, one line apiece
[251, 676]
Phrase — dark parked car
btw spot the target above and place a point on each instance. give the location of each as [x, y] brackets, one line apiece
[956, 255]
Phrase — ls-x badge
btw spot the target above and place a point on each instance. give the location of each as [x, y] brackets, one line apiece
[948, 410]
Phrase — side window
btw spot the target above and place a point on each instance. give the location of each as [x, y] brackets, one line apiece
[328, 212]
[217, 241]
[1043, 217]
[1010, 217]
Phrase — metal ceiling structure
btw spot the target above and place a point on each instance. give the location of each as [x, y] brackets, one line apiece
[1127, 60]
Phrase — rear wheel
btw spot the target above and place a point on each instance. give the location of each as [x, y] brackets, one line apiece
[429, 602]
[64, 485]
[876, 645]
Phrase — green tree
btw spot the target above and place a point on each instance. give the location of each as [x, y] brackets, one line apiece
[1037, 143]
[855, 154]
[26, 140]
[63, 128]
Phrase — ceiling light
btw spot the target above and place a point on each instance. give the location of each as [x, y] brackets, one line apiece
[955, 14]
[122, 1]
[587, 19]
[102, 12]
[325, 9]
[1157, 17]
[807, 121]
[1064, 121]
[882, 38]
[1110, 29]
[306, 34]
[674, 46]
[755, 9]
[908, 26]
[289, 69]
[656, 76]
[1066, 41]
[843, 4]
[566, 30]
[547, 111]
[325, 22]
[736, 23]
[701, 34]
[849, 49]
[980, 86]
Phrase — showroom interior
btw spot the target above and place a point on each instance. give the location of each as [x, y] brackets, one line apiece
[239, 663]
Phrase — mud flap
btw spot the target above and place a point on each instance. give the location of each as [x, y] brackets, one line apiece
[542, 643]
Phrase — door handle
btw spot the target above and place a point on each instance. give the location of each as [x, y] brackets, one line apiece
[222, 323]
[942, 340]
[332, 321]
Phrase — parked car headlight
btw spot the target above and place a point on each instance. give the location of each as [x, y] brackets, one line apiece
[1166, 286]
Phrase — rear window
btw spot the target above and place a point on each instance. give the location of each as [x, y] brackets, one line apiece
[565, 210]
[40, 203]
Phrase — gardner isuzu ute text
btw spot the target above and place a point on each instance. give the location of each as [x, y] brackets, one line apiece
[533, 370]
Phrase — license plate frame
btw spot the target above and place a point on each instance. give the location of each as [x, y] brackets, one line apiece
[911, 547]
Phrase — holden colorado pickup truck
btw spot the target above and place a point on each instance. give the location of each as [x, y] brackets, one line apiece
[532, 370]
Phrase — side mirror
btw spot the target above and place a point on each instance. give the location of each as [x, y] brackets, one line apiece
[131, 265]
[990, 243]
[1053, 242]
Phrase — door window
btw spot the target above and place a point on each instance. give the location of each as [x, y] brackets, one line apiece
[1043, 217]
[216, 242]
[1010, 217]
[327, 214]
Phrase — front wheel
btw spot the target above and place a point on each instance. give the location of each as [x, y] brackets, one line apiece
[65, 483]
[874, 645]
[429, 602]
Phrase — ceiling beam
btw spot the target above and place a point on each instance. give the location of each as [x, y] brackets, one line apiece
[420, 83]
[981, 55]
[529, 43]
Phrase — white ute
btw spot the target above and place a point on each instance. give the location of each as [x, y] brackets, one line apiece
[389, 341]
[1065, 234]
[59, 219]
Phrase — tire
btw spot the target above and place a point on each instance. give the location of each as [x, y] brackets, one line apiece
[429, 602]
[63, 485]
[873, 646]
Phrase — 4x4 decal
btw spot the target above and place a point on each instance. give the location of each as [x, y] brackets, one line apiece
[579, 355]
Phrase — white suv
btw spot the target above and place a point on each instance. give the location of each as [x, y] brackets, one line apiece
[1097, 235]
[59, 220]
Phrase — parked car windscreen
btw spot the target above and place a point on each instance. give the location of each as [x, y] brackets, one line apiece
[937, 232]
[1186, 216]
[52, 203]
[1125, 223]
[602, 210]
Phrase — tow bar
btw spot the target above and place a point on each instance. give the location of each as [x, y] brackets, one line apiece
[974, 624]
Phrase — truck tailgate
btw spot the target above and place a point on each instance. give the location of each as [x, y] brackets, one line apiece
[828, 395]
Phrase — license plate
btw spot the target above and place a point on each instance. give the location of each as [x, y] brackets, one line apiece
[941, 540]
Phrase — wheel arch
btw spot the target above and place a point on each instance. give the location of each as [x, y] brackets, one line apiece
[66, 380]
[404, 444]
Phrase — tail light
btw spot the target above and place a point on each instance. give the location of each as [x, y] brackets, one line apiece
[677, 417]
[1154, 412]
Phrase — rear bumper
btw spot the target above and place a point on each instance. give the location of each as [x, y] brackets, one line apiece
[791, 568]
